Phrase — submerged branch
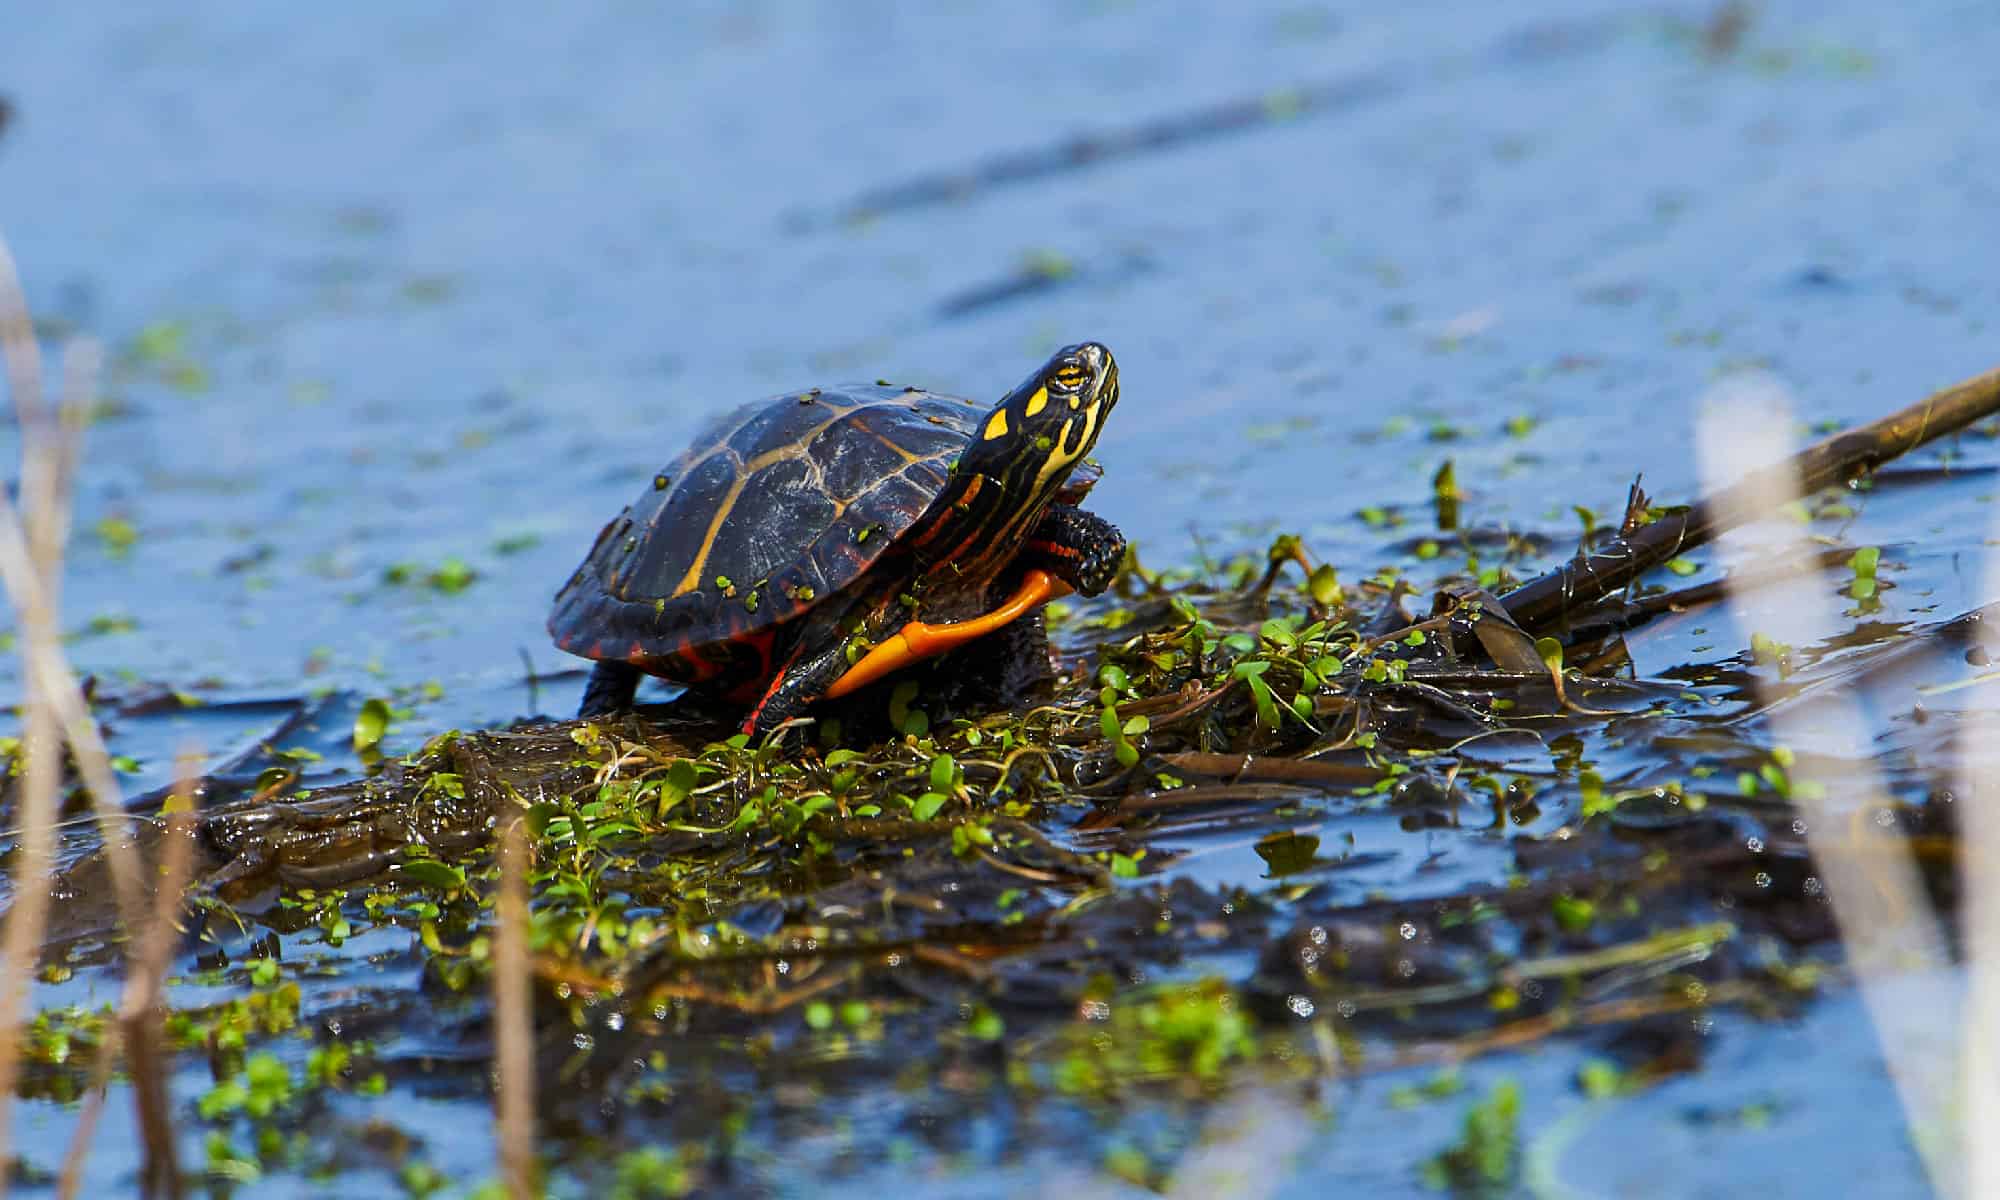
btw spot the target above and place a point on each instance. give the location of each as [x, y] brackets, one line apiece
[1544, 605]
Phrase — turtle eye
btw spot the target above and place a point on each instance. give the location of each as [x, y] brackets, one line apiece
[1069, 376]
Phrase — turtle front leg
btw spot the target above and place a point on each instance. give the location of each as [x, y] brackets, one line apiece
[1069, 550]
[1080, 548]
[805, 677]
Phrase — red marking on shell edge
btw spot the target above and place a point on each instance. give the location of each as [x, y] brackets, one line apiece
[700, 669]
[636, 654]
[596, 651]
[760, 687]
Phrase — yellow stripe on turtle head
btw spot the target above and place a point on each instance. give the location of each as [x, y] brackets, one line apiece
[997, 427]
[1037, 402]
[1060, 458]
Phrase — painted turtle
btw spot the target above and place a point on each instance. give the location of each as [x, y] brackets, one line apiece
[817, 541]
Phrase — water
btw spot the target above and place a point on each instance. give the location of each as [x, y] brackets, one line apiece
[416, 287]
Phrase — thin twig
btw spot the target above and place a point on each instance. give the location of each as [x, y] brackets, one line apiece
[513, 1018]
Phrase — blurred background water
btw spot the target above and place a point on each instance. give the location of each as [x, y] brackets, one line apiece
[401, 302]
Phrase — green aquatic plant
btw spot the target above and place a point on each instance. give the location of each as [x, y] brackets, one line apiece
[1484, 1157]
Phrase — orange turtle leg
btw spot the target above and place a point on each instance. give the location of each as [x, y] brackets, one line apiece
[918, 640]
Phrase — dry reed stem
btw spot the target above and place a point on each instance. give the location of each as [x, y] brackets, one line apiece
[1979, 842]
[31, 557]
[513, 1018]
[1890, 934]
[30, 566]
[137, 1029]
[139, 1013]
[41, 774]
[65, 696]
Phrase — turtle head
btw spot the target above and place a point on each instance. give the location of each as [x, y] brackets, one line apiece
[1037, 434]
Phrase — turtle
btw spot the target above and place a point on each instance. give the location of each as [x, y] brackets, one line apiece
[814, 542]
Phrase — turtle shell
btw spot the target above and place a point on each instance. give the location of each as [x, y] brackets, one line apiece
[777, 507]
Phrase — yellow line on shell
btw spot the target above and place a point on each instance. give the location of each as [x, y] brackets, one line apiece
[692, 580]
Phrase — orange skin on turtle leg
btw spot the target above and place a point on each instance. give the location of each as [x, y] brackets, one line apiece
[918, 640]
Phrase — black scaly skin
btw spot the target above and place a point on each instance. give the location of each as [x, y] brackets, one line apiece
[612, 687]
[1080, 548]
[821, 659]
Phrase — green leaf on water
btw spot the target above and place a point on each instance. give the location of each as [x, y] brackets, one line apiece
[540, 816]
[118, 535]
[1324, 586]
[1573, 913]
[1287, 853]
[452, 576]
[429, 872]
[985, 1024]
[1267, 704]
[1551, 653]
[911, 721]
[677, 786]
[371, 723]
[1863, 562]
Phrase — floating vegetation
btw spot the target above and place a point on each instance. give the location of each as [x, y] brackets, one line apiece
[1483, 1160]
[162, 352]
[117, 535]
[448, 578]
